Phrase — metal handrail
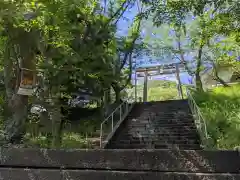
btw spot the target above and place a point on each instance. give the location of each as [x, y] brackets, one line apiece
[124, 108]
[199, 119]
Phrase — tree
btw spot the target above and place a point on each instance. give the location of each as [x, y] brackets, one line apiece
[126, 48]
[176, 14]
[66, 41]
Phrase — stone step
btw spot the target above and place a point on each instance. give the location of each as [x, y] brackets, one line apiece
[157, 134]
[191, 125]
[162, 125]
[127, 136]
[166, 110]
[118, 175]
[180, 147]
[159, 128]
[161, 120]
[164, 130]
[152, 160]
[174, 115]
[173, 121]
[176, 128]
[155, 141]
[159, 146]
[151, 136]
[151, 113]
[164, 115]
[169, 109]
[29, 174]
[127, 146]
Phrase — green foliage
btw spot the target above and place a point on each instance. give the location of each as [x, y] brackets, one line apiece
[69, 140]
[126, 47]
[75, 134]
[73, 37]
[2, 102]
[212, 19]
[74, 45]
[221, 110]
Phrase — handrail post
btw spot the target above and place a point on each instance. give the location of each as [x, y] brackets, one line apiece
[126, 106]
[112, 122]
[101, 133]
[120, 113]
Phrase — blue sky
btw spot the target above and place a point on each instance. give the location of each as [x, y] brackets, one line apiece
[156, 35]
[123, 26]
[148, 31]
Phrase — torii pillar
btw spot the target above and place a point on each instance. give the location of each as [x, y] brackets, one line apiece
[145, 86]
[135, 83]
[179, 84]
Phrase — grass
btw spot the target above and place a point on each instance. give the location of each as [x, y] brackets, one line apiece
[221, 110]
[161, 90]
[69, 140]
[81, 134]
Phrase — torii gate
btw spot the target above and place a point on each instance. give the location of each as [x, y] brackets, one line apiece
[173, 68]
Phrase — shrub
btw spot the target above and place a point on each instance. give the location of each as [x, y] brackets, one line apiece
[221, 110]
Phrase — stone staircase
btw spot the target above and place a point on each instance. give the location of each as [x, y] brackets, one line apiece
[118, 164]
[157, 125]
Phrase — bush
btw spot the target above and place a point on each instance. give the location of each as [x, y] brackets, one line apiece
[221, 110]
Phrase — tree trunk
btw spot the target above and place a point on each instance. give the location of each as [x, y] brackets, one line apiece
[221, 81]
[56, 123]
[102, 109]
[118, 97]
[117, 94]
[16, 105]
[199, 85]
[55, 113]
[107, 96]
[15, 124]
[217, 76]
